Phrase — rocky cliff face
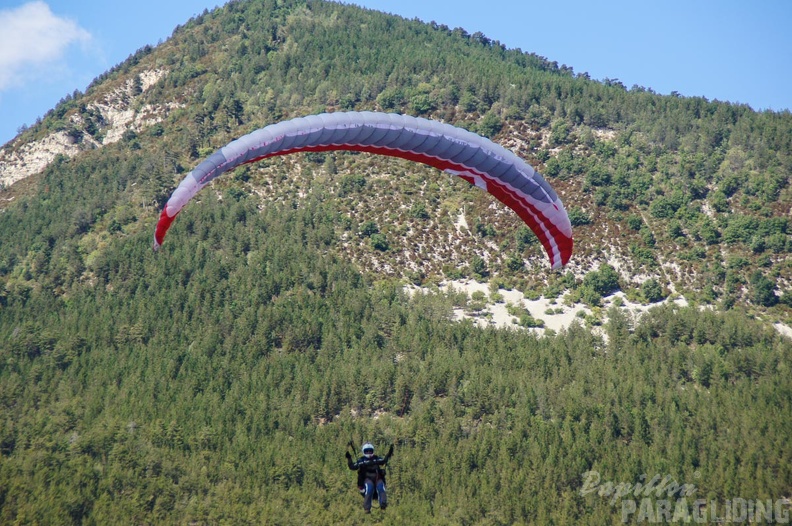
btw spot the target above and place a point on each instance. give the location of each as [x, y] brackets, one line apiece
[117, 110]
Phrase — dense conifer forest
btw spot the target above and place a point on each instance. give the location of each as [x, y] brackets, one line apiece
[219, 380]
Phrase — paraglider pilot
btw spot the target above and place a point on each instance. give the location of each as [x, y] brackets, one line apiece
[371, 475]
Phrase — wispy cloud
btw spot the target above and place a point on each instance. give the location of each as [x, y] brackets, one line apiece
[33, 38]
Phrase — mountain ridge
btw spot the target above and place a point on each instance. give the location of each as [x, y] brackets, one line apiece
[561, 144]
[562, 149]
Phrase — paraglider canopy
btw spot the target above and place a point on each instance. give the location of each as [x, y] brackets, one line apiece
[476, 159]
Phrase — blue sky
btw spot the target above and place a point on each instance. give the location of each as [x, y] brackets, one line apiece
[729, 50]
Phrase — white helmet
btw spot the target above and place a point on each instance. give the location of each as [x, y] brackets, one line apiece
[368, 450]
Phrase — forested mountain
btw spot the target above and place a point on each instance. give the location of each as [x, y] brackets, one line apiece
[219, 380]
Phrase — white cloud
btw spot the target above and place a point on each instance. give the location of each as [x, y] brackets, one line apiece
[32, 38]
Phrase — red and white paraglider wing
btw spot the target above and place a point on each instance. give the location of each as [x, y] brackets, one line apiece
[476, 159]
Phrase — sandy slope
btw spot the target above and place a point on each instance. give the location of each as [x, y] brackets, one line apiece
[555, 313]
